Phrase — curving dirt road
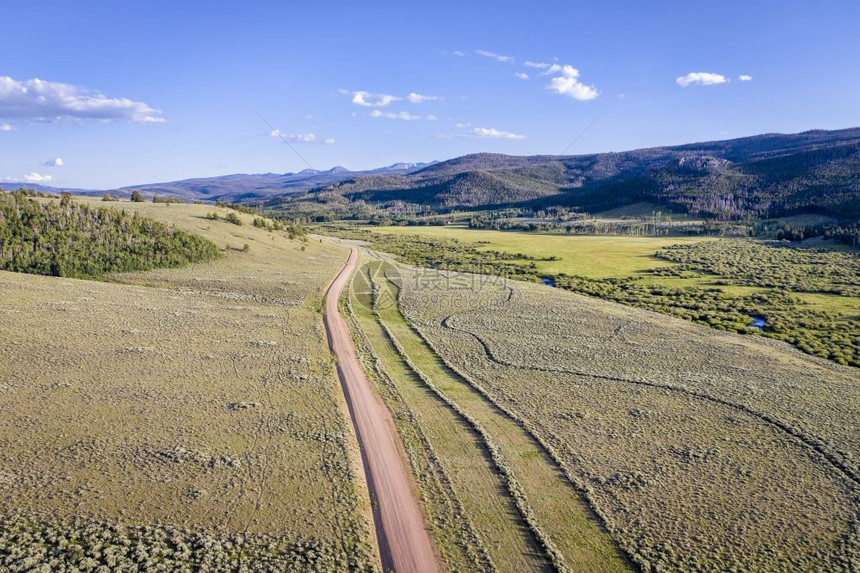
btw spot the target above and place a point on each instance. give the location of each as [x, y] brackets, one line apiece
[404, 544]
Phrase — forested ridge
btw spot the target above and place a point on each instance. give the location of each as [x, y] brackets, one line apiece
[765, 176]
[69, 239]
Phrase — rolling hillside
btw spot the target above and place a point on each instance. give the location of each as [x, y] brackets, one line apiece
[177, 419]
[763, 176]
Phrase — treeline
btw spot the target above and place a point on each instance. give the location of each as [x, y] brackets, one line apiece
[69, 239]
[291, 229]
[247, 209]
[845, 234]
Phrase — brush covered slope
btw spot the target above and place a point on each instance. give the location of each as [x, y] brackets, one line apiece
[763, 176]
[699, 449]
[179, 419]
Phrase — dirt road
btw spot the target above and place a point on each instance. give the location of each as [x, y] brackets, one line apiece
[404, 543]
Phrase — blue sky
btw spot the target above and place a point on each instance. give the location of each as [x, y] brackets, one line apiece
[136, 92]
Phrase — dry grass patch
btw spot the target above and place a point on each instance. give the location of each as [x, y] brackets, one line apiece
[192, 414]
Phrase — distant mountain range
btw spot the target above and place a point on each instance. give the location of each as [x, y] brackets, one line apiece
[771, 175]
[236, 188]
[762, 176]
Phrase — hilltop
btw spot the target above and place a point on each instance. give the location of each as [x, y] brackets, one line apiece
[764, 176]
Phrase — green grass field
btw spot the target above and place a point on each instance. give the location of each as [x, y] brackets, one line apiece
[723, 283]
[598, 257]
[590, 256]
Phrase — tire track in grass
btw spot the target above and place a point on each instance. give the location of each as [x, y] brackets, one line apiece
[570, 533]
[478, 480]
[817, 449]
[461, 547]
[816, 445]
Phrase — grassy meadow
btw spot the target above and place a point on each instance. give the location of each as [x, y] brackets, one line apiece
[179, 419]
[520, 510]
[807, 295]
[190, 418]
[699, 449]
[592, 256]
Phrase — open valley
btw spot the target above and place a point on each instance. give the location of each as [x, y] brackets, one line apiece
[429, 287]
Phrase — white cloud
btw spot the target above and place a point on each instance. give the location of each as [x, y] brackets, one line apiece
[462, 125]
[547, 68]
[744, 78]
[56, 162]
[489, 132]
[568, 84]
[522, 75]
[495, 56]
[368, 99]
[419, 98]
[328, 140]
[36, 178]
[401, 115]
[701, 79]
[53, 101]
[5, 127]
[458, 53]
[299, 138]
